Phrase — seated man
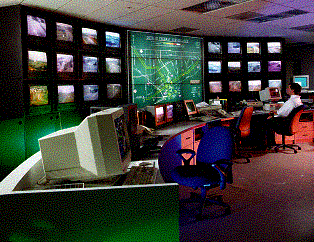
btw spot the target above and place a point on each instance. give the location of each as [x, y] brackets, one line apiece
[275, 119]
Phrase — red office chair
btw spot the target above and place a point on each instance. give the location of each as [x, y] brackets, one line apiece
[288, 127]
[242, 129]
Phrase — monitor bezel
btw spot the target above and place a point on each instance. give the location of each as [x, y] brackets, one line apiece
[307, 81]
[186, 107]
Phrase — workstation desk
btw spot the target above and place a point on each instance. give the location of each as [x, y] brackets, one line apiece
[120, 213]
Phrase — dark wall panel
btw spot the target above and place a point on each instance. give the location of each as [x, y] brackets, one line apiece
[11, 86]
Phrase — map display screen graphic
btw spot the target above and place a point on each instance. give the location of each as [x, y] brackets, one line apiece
[165, 68]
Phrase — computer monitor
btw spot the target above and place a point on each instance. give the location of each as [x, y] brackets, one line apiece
[270, 94]
[98, 148]
[169, 113]
[190, 107]
[303, 80]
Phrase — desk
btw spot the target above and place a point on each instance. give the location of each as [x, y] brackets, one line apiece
[122, 213]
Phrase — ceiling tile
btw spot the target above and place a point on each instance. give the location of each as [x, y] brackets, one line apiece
[114, 11]
[47, 4]
[9, 2]
[143, 14]
[81, 8]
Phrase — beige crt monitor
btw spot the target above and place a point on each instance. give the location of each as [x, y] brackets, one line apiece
[99, 147]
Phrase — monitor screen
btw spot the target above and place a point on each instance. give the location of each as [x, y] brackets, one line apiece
[214, 47]
[254, 66]
[234, 66]
[90, 92]
[303, 81]
[274, 66]
[112, 39]
[37, 61]
[214, 66]
[255, 85]
[119, 124]
[274, 83]
[36, 26]
[160, 114]
[65, 93]
[65, 63]
[234, 47]
[89, 36]
[38, 95]
[169, 111]
[190, 107]
[114, 91]
[253, 48]
[215, 86]
[274, 93]
[274, 47]
[113, 65]
[90, 64]
[64, 32]
[235, 86]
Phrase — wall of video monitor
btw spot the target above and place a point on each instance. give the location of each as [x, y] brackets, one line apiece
[71, 63]
[242, 66]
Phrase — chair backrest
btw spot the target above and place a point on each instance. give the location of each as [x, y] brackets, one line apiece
[216, 144]
[292, 120]
[243, 124]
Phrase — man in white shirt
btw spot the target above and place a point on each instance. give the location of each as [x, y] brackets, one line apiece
[294, 90]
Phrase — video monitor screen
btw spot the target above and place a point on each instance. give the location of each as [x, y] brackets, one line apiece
[214, 47]
[36, 26]
[234, 66]
[255, 85]
[235, 86]
[90, 64]
[160, 115]
[274, 47]
[37, 61]
[113, 65]
[65, 63]
[64, 32]
[274, 83]
[114, 91]
[91, 92]
[215, 87]
[274, 66]
[170, 111]
[66, 93]
[214, 66]
[234, 47]
[38, 95]
[89, 36]
[254, 66]
[253, 48]
[112, 39]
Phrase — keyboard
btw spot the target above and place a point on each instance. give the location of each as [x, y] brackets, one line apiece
[141, 175]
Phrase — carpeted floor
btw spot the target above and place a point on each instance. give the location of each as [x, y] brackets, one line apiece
[271, 199]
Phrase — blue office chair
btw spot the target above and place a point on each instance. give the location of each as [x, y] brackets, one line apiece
[288, 127]
[213, 166]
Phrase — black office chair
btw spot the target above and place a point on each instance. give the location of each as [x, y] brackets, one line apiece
[242, 130]
[288, 127]
[213, 166]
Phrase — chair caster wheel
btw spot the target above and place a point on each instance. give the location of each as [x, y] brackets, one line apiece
[295, 152]
[299, 148]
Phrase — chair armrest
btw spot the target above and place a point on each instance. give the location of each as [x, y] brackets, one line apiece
[180, 152]
[222, 173]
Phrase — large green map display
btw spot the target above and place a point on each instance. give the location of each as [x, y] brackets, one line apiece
[165, 68]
